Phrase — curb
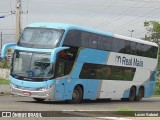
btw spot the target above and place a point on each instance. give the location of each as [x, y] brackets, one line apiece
[5, 90]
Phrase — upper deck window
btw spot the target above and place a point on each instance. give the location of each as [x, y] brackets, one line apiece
[40, 37]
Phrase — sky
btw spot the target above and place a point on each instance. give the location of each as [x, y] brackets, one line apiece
[115, 16]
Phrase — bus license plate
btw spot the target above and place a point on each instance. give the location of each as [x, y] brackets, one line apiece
[26, 93]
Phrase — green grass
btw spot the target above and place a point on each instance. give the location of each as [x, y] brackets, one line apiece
[156, 96]
[125, 111]
[157, 91]
[4, 81]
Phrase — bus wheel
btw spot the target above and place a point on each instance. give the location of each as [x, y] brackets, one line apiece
[132, 94]
[39, 99]
[140, 94]
[77, 95]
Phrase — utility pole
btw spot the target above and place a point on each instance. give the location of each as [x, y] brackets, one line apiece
[18, 20]
[131, 32]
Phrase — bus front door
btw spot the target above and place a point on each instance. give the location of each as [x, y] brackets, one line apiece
[60, 80]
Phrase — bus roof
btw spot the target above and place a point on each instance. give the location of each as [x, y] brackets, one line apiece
[76, 27]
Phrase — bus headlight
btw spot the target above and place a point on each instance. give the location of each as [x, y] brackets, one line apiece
[46, 88]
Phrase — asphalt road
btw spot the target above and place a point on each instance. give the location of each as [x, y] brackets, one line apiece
[14, 103]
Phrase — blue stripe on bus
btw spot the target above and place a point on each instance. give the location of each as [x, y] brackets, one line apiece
[91, 86]
[93, 56]
[31, 84]
[150, 85]
[149, 88]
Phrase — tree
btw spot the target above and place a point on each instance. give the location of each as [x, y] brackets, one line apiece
[153, 31]
[4, 64]
[153, 35]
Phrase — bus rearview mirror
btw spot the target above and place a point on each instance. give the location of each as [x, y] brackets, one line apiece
[54, 53]
[4, 49]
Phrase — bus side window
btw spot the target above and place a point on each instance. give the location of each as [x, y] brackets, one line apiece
[133, 48]
[60, 69]
[128, 47]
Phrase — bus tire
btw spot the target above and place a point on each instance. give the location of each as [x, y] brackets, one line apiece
[77, 95]
[132, 93]
[140, 94]
[39, 99]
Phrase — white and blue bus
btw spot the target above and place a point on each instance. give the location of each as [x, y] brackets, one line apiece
[67, 62]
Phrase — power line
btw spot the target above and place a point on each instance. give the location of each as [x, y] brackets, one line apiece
[64, 7]
[143, 1]
[55, 5]
[152, 1]
[6, 12]
[97, 13]
[97, 26]
[74, 4]
[120, 27]
[139, 33]
[3, 16]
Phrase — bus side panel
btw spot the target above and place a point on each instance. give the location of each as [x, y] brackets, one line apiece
[92, 56]
[149, 88]
[91, 89]
[150, 85]
[141, 77]
[90, 86]
[70, 85]
[59, 88]
[102, 89]
[87, 55]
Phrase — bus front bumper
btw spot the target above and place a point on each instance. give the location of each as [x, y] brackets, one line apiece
[45, 93]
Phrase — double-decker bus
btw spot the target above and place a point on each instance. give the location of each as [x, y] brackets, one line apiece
[67, 62]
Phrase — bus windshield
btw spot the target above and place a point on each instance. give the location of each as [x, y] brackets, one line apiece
[40, 37]
[32, 65]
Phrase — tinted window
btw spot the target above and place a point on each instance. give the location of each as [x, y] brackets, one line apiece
[60, 69]
[117, 73]
[104, 42]
[73, 38]
[133, 48]
[128, 47]
[152, 51]
[101, 42]
[122, 73]
[85, 36]
[106, 72]
[119, 45]
[93, 41]
[140, 49]
[88, 40]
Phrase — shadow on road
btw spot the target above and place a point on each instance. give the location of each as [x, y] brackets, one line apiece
[84, 102]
